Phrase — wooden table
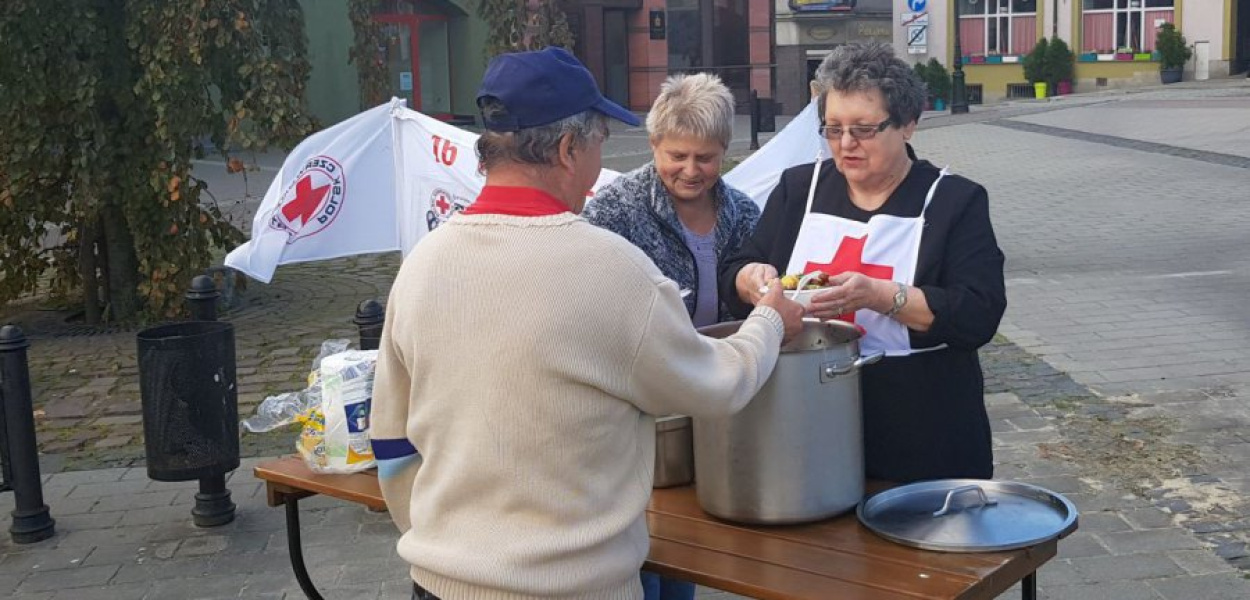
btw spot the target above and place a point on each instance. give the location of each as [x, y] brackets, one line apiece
[837, 558]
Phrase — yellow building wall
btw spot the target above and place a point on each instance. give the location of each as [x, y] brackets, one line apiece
[994, 79]
[1087, 74]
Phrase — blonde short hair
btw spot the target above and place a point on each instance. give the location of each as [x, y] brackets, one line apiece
[696, 105]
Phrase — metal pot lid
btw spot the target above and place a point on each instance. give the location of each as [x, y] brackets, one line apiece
[968, 515]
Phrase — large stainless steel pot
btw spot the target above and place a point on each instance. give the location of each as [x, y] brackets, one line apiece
[795, 453]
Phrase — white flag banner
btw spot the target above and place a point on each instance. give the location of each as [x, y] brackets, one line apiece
[334, 196]
[438, 175]
[382, 179]
[797, 143]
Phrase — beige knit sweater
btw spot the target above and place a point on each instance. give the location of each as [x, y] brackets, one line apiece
[524, 357]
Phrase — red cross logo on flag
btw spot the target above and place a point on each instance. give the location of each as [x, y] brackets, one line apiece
[312, 201]
[442, 202]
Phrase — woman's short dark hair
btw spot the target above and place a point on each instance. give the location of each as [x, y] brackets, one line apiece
[872, 66]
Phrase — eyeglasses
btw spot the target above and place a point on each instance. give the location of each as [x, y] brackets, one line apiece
[859, 132]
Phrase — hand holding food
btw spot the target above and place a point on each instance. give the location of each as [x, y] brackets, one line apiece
[849, 292]
[752, 279]
[791, 312]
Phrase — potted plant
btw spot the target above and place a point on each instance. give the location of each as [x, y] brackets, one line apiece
[1173, 53]
[1059, 67]
[1035, 67]
[922, 71]
[939, 80]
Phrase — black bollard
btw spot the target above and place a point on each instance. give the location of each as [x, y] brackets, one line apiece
[755, 120]
[202, 299]
[31, 521]
[369, 318]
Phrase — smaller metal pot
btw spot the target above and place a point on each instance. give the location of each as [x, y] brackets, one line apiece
[674, 451]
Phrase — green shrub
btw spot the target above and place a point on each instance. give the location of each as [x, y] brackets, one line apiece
[923, 73]
[1173, 51]
[1035, 62]
[1060, 63]
[938, 79]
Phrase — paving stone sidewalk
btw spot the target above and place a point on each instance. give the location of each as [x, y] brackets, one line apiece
[122, 536]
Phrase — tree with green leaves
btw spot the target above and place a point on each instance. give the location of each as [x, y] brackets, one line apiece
[519, 25]
[104, 104]
[367, 37]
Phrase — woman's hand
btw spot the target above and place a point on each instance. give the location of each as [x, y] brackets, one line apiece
[751, 278]
[850, 292]
[791, 312]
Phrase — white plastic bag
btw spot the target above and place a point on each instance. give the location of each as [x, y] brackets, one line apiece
[346, 398]
[284, 409]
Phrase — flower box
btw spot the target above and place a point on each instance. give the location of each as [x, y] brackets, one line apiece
[1105, 57]
[994, 60]
[1124, 56]
[1009, 60]
[1142, 57]
[1087, 57]
[977, 60]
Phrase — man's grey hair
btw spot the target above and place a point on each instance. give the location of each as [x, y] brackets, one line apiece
[535, 145]
[696, 105]
[872, 66]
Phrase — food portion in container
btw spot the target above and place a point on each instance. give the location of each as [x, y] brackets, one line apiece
[817, 280]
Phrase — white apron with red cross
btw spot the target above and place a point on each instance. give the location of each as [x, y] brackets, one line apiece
[886, 247]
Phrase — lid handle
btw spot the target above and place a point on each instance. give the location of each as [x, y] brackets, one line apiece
[946, 506]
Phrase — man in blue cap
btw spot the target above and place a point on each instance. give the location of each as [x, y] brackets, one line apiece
[524, 353]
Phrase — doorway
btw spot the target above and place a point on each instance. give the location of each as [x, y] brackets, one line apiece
[616, 56]
[418, 60]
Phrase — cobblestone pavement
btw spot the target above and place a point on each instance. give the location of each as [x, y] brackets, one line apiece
[1119, 380]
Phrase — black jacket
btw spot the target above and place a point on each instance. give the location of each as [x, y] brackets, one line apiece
[924, 414]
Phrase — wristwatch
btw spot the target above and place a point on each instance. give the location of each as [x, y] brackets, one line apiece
[900, 300]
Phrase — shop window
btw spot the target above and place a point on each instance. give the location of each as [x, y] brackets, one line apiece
[997, 27]
[1122, 26]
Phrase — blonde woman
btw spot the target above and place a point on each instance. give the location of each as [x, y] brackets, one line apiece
[676, 208]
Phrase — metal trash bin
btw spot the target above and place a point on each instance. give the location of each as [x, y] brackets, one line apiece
[191, 411]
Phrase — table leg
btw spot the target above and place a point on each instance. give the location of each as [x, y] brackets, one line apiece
[1028, 586]
[296, 549]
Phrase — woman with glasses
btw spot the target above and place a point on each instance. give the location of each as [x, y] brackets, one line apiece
[912, 258]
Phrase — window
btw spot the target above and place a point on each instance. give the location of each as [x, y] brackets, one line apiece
[991, 27]
[1122, 25]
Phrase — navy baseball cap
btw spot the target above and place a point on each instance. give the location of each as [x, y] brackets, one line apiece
[542, 87]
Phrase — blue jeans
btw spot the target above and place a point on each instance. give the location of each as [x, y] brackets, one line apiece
[658, 587]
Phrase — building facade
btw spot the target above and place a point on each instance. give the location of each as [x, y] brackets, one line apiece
[808, 29]
[631, 46]
[434, 52]
[1113, 40]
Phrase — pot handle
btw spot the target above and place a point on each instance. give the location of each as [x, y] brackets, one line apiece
[833, 370]
[946, 506]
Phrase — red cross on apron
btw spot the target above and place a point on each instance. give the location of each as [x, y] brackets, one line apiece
[886, 247]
